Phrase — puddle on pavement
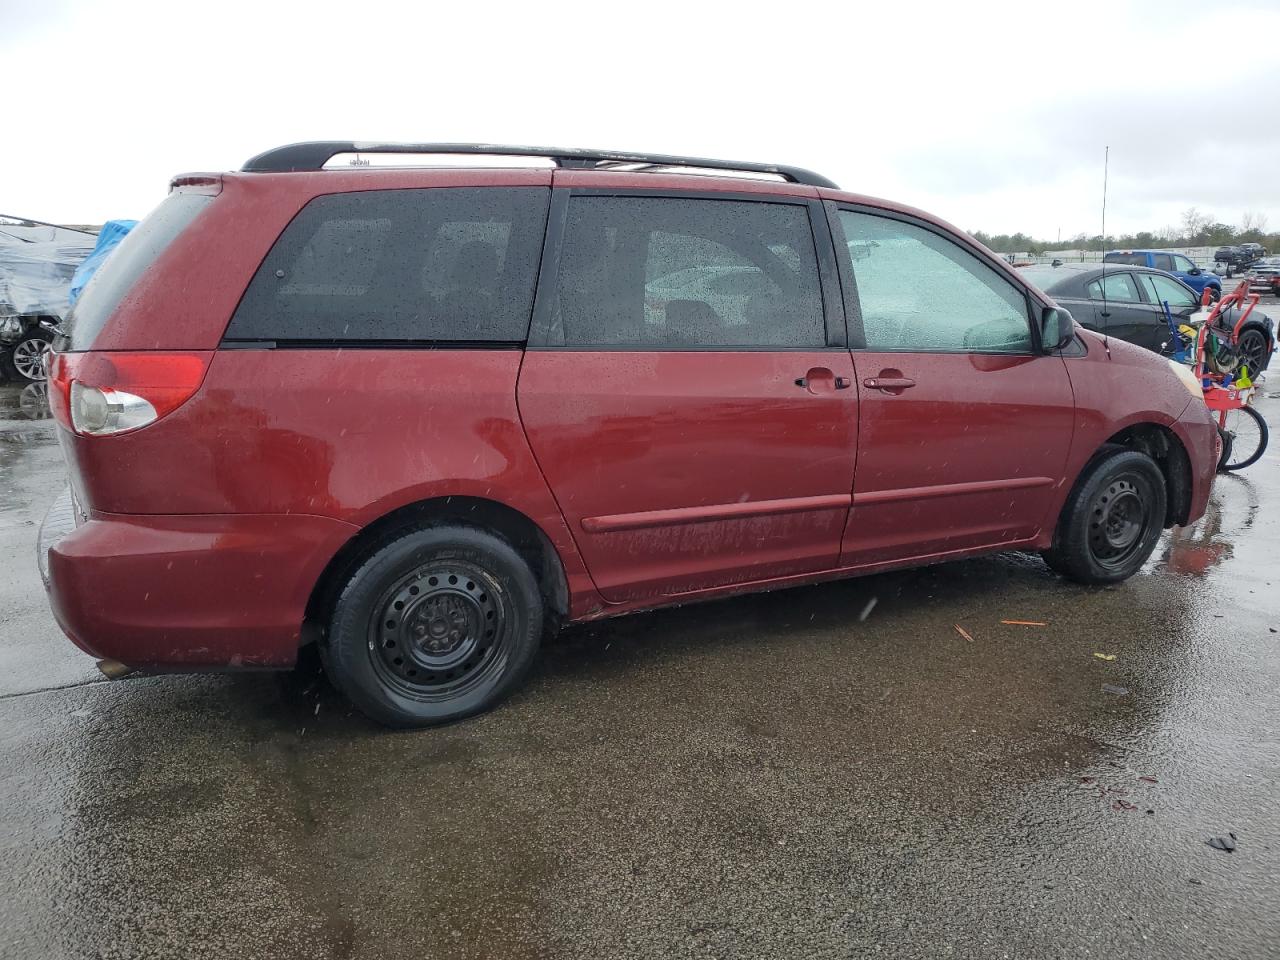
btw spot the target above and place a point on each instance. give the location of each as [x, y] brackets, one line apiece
[24, 401]
[24, 413]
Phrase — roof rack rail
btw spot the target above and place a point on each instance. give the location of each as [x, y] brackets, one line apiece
[315, 154]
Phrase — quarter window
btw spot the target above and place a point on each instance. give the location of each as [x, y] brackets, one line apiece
[1116, 286]
[673, 273]
[448, 264]
[919, 291]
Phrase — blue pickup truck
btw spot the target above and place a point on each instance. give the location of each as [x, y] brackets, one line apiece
[1175, 263]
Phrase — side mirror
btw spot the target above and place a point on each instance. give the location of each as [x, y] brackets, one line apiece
[1056, 329]
[1194, 272]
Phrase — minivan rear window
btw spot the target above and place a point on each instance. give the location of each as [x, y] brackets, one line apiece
[448, 264]
[126, 264]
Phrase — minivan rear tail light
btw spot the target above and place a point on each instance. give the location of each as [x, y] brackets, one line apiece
[98, 394]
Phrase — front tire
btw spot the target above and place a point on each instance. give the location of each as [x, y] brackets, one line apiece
[1111, 521]
[1215, 294]
[437, 624]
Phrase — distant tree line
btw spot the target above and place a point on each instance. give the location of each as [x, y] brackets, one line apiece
[1195, 230]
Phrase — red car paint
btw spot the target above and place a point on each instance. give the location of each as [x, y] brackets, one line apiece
[656, 477]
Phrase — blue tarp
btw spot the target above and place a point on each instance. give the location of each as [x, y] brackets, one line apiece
[113, 231]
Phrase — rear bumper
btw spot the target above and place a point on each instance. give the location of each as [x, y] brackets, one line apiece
[185, 592]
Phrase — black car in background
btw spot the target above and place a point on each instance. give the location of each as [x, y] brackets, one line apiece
[1230, 255]
[1132, 309]
[1238, 257]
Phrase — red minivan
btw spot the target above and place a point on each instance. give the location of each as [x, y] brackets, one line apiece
[436, 412]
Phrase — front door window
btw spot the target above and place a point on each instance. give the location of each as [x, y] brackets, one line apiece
[919, 291]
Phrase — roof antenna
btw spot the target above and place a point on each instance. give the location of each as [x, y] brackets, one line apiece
[1106, 314]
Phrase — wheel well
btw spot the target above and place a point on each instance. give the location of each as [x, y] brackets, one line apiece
[513, 526]
[1163, 446]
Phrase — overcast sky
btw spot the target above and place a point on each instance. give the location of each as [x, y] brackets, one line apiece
[992, 116]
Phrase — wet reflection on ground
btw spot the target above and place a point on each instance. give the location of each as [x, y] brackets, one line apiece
[24, 401]
[767, 776]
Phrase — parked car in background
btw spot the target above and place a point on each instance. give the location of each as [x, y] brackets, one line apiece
[1176, 264]
[37, 261]
[430, 413]
[1132, 307]
[1264, 276]
[1235, 259]
[24, 343]
[1229, 255]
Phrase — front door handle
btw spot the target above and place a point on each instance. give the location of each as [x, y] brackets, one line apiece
[888, 383]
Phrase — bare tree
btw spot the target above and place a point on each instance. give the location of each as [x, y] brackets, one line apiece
[1253, 222]
[1194, 222]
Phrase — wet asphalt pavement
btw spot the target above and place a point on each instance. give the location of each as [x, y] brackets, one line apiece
[760, 777]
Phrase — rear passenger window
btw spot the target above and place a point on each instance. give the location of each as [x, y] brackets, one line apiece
[446, 264]
[1116, 286]
[672, 273]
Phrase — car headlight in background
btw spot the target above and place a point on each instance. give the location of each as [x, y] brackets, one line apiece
[10, 328]
[1187, 378]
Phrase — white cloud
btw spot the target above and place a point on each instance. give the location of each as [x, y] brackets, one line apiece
[992, 115]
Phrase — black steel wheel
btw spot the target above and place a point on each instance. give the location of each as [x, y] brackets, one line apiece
[1112, 519]
[1254, 349]
[437, 624]
[1120, 514]
[1248, 435]
[440, 630]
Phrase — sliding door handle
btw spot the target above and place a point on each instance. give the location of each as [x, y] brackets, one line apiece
[888, 383]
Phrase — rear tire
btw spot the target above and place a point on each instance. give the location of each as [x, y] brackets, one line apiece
[1254, 348]
[1111, 521]
[437, 624]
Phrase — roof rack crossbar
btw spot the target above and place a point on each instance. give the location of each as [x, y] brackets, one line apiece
[315, 154]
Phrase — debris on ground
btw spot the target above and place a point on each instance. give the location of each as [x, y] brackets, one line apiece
[866, 611]
[1105, 656]
[1123, 805]
[963, 632]
[1112, 688]
[1025, 623]
[1227, 844]
[1149, 779]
